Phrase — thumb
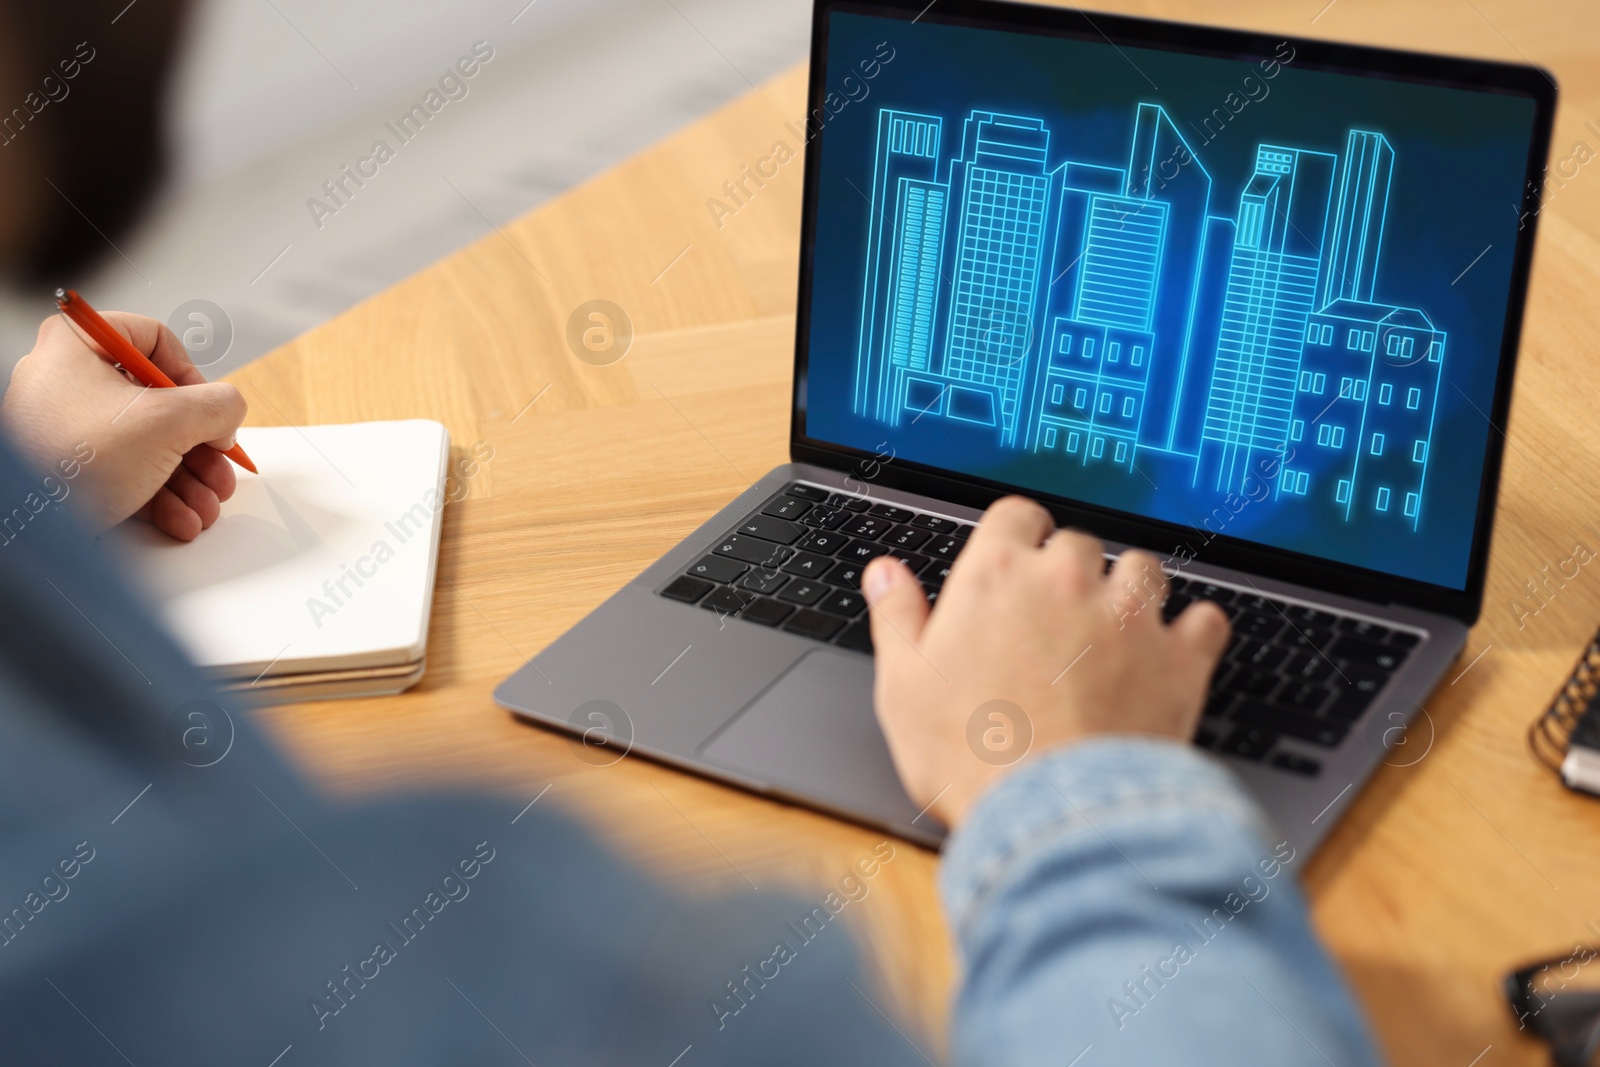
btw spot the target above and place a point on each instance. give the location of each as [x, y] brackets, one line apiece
[899, 608]
[207, 413]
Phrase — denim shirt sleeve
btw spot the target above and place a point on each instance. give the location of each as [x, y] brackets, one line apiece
[1127, 896]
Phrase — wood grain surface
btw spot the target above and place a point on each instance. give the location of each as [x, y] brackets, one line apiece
[1458, 861]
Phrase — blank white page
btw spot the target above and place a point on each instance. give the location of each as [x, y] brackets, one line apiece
[324, 561]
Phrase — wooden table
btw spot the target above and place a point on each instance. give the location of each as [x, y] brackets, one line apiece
[1447, 871]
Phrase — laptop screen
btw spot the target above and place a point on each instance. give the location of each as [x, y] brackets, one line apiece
[1256, 300]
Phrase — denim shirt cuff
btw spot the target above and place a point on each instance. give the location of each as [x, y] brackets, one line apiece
[1076, 790]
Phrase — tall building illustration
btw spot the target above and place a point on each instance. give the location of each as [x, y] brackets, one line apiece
[1272, 290]
[904, 241]
[998, 259]
[1090, 311]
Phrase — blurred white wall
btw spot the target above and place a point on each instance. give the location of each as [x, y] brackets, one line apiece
[273, 97]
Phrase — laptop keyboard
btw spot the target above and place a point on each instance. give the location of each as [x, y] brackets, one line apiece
[1293, 681]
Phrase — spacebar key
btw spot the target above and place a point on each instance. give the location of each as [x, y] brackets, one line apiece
[814, 624]
[1305, 727]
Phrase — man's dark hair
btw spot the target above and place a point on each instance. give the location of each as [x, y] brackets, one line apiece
[102, 145]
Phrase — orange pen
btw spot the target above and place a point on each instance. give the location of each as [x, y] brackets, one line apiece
[120, 351]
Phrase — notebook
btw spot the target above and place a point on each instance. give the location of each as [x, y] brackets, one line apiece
[317, 581]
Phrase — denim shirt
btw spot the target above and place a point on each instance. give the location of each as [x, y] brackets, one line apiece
[1125, 901]
[175, 897]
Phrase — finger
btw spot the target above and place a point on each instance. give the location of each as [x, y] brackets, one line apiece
[1204, 628]
[209, 413]
[1014, 520]
[173, 517]
[1137, 584]
[155, 340]
[196, 495]
[1085, 552]
[899, 608]
[213, 469]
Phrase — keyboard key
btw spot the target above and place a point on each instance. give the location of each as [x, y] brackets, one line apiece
[826, 542]
[1264, 604]
[962, 532]
[907, 537]
[781, 531]
[1308, 697]
[825, 517]
[944, 547]
[935, 523]
[766, 612]
[910, 559]
[1255, 624]
[932, 593]
[842, 602]
[1270, 657]
[1219, 705]
[1370, 631]
[687, 589]
[1304, 617]
[1351, 699]
[804, 592]
[1174, 606]
[936, 574]
[1217, 594]
[727, 601]
[1404, 639]
[808, 623]
[808, 565]
[857, 637]
[846, 574]
[718, 569]
[752, 550]
[1383, 657]
[892, 513]
[1308, 667]
[1248, 742]
[1319, 731]
[1223, 678]
[786, 507]
[762, 581]
[1307, 638]
[861, 551]
[848, 502]
[807, 492]
[870, 527]
[1288, 761]
[1255, 682]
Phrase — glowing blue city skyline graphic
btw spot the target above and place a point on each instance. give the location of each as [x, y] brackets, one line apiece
[1091, 310]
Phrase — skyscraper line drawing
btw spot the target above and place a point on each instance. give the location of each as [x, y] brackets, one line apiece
[1087, 311]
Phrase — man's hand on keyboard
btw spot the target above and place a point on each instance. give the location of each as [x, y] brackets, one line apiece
[1032, 646]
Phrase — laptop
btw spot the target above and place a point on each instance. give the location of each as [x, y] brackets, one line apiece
[1248, 302]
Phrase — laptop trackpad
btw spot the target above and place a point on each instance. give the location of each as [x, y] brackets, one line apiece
[812, 735]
